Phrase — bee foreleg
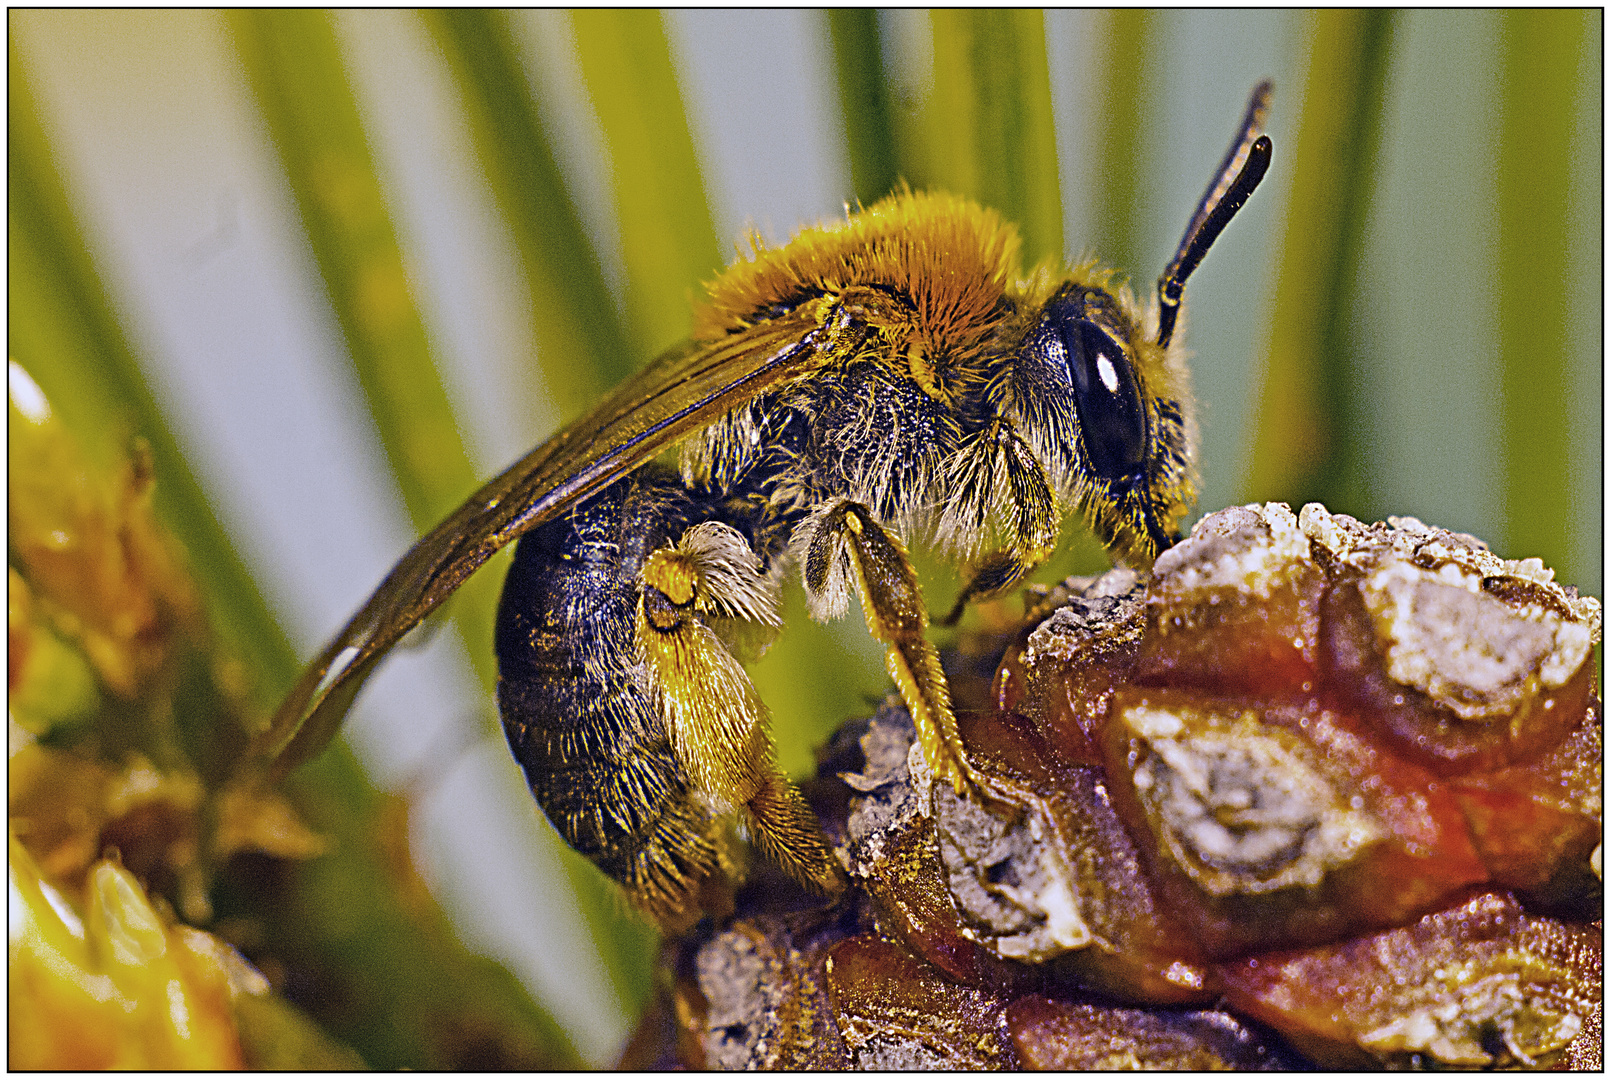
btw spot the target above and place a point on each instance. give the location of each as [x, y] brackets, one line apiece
[717, 723]
[1025, 498]
[845, 535]
[990, 577]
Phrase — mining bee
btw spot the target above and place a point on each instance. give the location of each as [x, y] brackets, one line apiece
[886, 379]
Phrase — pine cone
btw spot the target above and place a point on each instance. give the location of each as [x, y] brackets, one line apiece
[1314, 793]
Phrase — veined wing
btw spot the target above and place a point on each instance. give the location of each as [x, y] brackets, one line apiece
[682, 391]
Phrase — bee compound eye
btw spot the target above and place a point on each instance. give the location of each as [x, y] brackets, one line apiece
[1113, 424]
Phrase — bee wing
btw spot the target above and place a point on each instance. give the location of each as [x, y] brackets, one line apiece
[682, 391]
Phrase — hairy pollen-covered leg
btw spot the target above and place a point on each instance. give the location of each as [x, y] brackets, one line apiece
[997, 471]
[717, 722]
[845, 537]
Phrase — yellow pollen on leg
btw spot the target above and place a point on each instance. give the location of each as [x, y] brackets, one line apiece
[673, 575]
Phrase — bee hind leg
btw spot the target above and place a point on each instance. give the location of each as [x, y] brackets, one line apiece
[719, 726]
[685, 869]
[785, 829]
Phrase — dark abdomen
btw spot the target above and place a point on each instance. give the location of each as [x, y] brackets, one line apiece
[575, 709]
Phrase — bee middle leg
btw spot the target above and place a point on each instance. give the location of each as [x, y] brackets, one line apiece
[844, 537]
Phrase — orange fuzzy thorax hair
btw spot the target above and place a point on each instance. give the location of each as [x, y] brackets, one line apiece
[952, 258]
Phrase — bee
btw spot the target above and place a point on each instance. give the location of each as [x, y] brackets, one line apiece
[889, 379]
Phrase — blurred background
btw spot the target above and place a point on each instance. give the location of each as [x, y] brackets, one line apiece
[338, 268]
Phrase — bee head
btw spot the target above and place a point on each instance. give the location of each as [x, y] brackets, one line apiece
[1087, 400]
[1100, 402]
[1082, 346]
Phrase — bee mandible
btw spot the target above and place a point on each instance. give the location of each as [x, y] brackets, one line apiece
[889, 379]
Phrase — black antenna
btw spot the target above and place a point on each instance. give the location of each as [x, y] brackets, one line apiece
[1244, 166]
